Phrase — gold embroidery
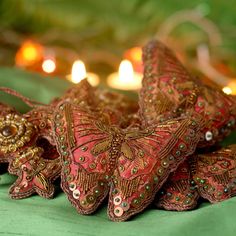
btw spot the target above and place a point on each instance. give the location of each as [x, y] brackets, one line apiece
[128, 187]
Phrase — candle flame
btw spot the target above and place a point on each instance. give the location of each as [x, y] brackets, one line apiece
[227, 90]
[126, 72]
[230, 89]
[135, 54]
[29, 53]
[49, 66]
[78, 71]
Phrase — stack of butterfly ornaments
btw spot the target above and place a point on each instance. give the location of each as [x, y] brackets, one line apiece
[106, 147]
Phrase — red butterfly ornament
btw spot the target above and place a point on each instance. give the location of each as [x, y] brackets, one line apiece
[98, 156]
[211, 176]
[170, 91]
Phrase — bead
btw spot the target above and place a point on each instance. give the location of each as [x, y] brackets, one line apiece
[186, 202]
[58, 116]
[205, 187]
[155, 178]
[125, 206]
[135, 201]
[84, 148]
[169, 194]
[177, 153]
[141, 195]
[182, 146]
[134, 170]
[177, 199]
[147, 187]
[115, 191]
[141, 153]
[97, 192]
[81, 159]
[160, 171]
[65, 153]
[66, 162]
[164, 164]
[202, 181]
[226, 190]
[92, 165]
[83, 202]
[90, 199]
[200, 104]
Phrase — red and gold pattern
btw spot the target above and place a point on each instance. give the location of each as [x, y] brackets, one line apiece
[132, 163]
[35, 174]
[211, 176]
[23, 134]
[170, 91]
[5, 130]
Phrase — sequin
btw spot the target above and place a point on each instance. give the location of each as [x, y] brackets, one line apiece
[208, 136]
[118, 211]
[117, 200]
[76, 194]
[72, 186]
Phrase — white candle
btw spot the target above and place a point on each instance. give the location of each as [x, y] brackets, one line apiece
[126, 78]
[79, 73]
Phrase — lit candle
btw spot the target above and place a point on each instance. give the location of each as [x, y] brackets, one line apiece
[49, 65]
[135, 56]
[230, 88]
[29, 53]
[126, 78]
[79, 73]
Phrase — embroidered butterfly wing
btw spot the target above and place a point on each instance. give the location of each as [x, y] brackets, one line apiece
[169, 91]
[215, 174]
[146, 160]
[35, 174]
[83, 142]
[179, 193]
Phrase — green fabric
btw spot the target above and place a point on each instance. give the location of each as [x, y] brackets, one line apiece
[41, 217]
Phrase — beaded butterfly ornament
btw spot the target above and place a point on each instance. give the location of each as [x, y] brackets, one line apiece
[98, 157]
[32, 153]
[211, 176]
[169, 82]
[29, 146]
[169, 91]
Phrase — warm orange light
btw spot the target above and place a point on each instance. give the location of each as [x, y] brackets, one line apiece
[134, 54]
[79, 73]
[126, 78]
[49, 66]
[230, 89]
[227, 90]
[29, 53]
